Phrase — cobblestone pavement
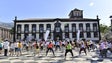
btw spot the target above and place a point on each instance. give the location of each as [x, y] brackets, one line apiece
[27, 57]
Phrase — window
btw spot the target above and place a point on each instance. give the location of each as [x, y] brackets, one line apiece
[41, 28]
[66, 34]
[94, 26]
[87, 27]
[26, 28]
[95, 34]
[26, 36]
[48, 27]
[81, 27]
[88, 34]
[41, 31]
[19, 36]
[34, 28]
[74, 35]
[81, 34]
[66, 30]
[57, 26]
[66, 27]
[41, 35]
[33, 35]
[18, 28]
[74, 27]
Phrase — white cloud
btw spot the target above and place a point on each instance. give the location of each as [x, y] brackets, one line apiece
[91, 4]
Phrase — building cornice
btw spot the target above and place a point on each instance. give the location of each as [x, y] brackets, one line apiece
[60, 19]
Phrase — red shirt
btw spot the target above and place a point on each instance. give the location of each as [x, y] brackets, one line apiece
[50, 46]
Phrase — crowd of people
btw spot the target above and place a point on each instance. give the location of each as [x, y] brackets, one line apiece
[65, 46]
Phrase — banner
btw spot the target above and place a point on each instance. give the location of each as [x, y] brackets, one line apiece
[46, 35]
[78, 35]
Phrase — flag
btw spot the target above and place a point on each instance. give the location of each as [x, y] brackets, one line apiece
[46, 35]
[78, 35]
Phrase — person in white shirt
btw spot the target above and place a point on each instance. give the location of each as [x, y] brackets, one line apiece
[6, 46]
[82, 48]
[57, 46]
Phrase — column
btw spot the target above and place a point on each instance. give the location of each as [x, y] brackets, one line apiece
[37, 36]
[52, 27]
[52, 36]
[37, 31]
[84, 29]
[30, 28]
[0, 33]
[8, 34]
[77, 26]
[91, 27]
[4, 34]
[44, 27]
[22, 36]
[30, 33]
[63, 35]
[70, 27]
[22, 28]
[62, 27]
[70, 35]
[37, 27]
[22, 31]
[84, 26]
[63, 32]
[70, 31]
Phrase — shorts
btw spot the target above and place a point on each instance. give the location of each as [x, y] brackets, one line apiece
[63, 45]
[19, 49]
[16, 49]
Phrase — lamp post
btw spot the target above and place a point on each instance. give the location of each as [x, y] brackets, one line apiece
[111, 22]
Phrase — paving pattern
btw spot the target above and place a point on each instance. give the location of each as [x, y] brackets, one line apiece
[27, 57]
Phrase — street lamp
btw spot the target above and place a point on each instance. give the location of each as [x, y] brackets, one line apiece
[111, 22]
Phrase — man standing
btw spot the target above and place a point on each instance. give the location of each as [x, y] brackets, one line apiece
[5, 46]
[50, 47]
[68, 49]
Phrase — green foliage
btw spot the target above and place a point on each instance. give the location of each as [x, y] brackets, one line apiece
[104, 28]
[12, 30]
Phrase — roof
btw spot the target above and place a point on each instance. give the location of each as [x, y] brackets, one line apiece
[76, 9]
[54, 19]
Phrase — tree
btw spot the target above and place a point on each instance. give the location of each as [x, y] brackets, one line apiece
[12, 30]
[104, 28]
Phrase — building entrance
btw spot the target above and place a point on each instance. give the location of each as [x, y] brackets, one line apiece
[57, 31]
[57, 36]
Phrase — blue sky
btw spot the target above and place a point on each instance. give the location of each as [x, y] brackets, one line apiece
[24, 9]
